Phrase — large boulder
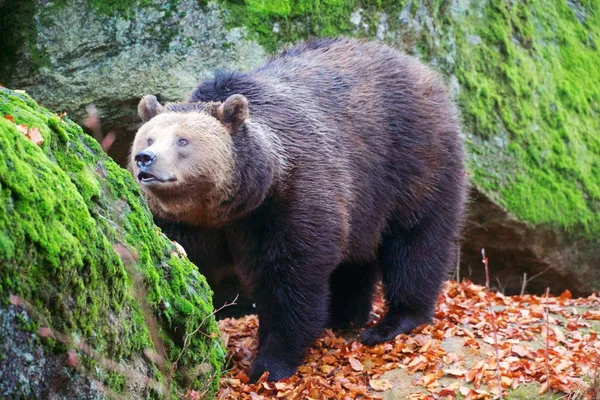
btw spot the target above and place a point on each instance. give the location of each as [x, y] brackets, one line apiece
[525, 76]
[69, 54]
[95, 302]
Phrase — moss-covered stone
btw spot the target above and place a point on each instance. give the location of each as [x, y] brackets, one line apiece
[529, 86]
[78, 244]
[531, 92]
[286, 21]
[524, 73]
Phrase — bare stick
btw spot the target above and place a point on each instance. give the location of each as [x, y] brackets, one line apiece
[187, 337]
[596, 383]
[525, 280]
[493, 321]
[523, 284]
[548, 344]
[501, 286]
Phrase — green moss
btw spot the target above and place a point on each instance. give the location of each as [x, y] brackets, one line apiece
[116, 382]
[64, 207]
[530, 391]
[284, 21]
[529, 96]
[533, 79]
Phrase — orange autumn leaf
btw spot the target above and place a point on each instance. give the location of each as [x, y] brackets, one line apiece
[380, 385]
[35, 136]
[22, 128]
[356, 365]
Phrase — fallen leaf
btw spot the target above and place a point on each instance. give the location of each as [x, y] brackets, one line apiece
[35, 136]
[519, 350]
[73, 360]
[455, 371]
[283, 386]
[22, 128]
[326, 369]
[356, 365]
[380, 385]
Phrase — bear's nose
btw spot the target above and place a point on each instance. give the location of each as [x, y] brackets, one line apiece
[145, 158]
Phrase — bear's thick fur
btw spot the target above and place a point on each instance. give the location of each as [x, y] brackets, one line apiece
[334, 163]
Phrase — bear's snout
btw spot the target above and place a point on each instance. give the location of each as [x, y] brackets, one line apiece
[145, 158]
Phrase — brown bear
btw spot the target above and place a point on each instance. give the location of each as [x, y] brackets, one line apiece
[335, 163]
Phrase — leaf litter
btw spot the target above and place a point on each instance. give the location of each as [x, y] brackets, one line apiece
[337, 366]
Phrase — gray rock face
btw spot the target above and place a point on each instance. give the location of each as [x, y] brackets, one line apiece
[517, 251]
[28, 369]
[112, 60]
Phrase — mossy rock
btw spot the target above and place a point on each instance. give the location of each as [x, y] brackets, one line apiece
[529, 86]
[523, 73]
[68, 54]
[92, 294]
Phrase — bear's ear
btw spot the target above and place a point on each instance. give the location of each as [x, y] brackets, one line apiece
[149, 107]
[233, 112]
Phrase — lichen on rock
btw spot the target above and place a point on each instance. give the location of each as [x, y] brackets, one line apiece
[80, 252]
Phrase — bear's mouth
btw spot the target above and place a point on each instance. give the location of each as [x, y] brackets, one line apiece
[146, 177]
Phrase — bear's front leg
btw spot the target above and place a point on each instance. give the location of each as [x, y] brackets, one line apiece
[292, 303]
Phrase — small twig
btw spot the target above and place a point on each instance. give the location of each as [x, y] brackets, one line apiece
[596, 382]
[523, 284]
[458, 271]
[525, 280]
[187, 336]
[548, 344]
[493, 321]
[501, 287]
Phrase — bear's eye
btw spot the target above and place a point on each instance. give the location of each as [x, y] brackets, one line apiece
[182, 142]
[150, 141]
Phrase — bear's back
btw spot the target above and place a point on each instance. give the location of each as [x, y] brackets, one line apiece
[365, 128]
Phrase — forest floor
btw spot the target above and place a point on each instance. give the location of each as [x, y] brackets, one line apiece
[454, 358]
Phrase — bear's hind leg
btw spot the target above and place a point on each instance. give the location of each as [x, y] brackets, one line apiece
[414, 263]
[352, 286]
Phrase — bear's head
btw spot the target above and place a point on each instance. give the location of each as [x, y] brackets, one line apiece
[183, 157]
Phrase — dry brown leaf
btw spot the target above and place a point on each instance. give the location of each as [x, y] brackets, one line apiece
[356, 365]
[35, 136]
[22, 128]
[455, 371]
[519, 350]
[380, 385]
[326, 369]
